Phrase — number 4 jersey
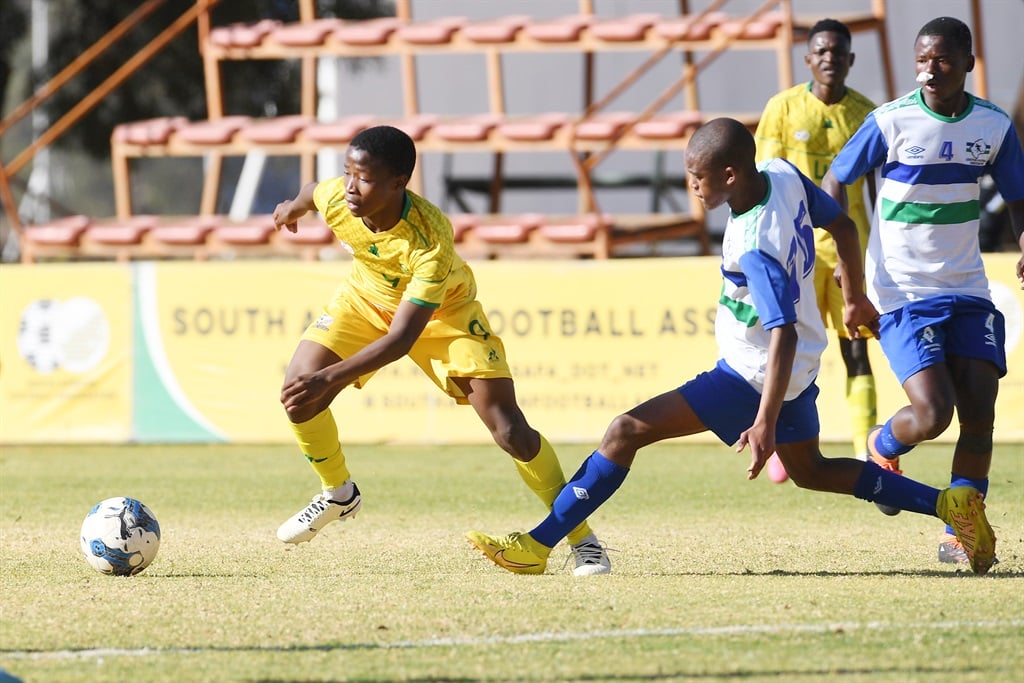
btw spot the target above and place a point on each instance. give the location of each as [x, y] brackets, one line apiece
[924, 228]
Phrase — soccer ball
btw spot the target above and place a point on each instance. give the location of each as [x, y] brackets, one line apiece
[120, 536]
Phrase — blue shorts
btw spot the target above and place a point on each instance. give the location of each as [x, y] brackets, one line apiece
[923, 333]
[727, 406]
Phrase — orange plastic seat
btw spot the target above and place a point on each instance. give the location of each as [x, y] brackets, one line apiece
[470, 129]
[255, 230]
[603, 126]
[306, 33]
[502, 30]
[121, 233]
[575, 229]
[275, 131]
[623, 29]
[241, 34]
[186, 231]
[562, 30]
[213, 131]
[148, 132]
[508, 229]
[532, 128]
[436, 32]
[65, 231]
[689, 27]
[668, 126]
[339, 131]
[765, 27]
[368, 32]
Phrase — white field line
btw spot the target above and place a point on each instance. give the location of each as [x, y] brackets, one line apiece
[739, 629]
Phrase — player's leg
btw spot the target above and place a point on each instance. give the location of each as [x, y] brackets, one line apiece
[341, 331]
[913, 339]
[976, 359]
[599, 476]
[861, 397]
[495, 403]
[961, 506]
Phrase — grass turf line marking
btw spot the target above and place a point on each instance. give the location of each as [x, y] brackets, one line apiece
[739, 629]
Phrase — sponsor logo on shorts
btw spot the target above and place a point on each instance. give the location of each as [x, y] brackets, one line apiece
[324, 322]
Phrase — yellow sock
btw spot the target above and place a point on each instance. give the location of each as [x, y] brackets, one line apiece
[318, 439]
[862, 404]
[544, 476]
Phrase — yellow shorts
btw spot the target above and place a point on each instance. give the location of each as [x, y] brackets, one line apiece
[830, 299]
[457, 342]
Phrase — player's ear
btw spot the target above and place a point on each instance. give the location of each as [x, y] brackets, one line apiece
[807, 59]
[853, 56]
[970, 63]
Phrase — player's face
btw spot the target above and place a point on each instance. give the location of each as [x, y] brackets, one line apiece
[711, 184]
[948, 66]
[829, 57]
[371, 190]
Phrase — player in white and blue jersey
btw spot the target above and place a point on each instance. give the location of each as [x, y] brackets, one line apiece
[762, 391]
[941, 333]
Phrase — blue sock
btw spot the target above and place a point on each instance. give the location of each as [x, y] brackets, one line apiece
[956, 480]
[888, 488]
[594, 483]
[887, 443]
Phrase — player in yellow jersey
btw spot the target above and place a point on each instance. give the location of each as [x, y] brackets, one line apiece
[808, 124]
[409, 293]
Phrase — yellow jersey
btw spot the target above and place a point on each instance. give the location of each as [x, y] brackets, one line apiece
[797, 126]
[415, 260]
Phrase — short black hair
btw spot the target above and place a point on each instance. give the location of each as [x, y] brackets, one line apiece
[953, 30]
[388, 146]
[723, 142]
[831, 25]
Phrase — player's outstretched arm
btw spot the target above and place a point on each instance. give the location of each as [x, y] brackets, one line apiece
[320, 387]
[760, 436]
[288, 212]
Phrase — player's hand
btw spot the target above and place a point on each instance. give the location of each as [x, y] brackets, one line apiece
[1020, 271]
[860, 312]
[304, 390]
[761, 440]
[286, 216]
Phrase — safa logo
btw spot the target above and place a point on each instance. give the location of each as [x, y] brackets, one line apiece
[978, 150]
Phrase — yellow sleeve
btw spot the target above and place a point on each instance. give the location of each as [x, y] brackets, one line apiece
[769, 133]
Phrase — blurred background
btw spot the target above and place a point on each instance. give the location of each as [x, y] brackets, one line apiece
[73, 175]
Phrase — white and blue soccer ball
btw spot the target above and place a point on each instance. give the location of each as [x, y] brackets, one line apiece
[120, 536]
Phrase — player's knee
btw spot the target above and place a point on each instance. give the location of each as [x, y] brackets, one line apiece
[973, 440]
[933, 418]
[625, 430]
[515, 439]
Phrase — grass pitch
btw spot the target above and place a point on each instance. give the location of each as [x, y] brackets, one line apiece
[715, 578]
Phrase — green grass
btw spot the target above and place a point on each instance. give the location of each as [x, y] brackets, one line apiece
[715, 578]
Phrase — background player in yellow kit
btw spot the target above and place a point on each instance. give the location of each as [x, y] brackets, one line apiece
[808, 124]
[409, 293]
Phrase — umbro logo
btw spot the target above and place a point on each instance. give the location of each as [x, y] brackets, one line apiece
[580, 493]
[915, 152]
[878, 486]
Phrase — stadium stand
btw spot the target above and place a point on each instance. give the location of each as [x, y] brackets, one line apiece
[587, 136]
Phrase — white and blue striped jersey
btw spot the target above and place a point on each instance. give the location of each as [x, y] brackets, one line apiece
[924, 229]
[768, 277]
